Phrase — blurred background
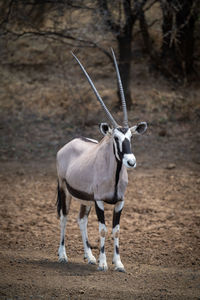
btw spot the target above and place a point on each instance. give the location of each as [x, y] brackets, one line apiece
[45, 101]
[157, 44]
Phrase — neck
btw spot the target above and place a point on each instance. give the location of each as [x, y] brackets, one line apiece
[114, 168]
[117, 174]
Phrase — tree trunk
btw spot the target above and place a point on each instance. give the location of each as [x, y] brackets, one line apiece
[124, 46]
[178, 36]
[167, 24]
[185, 47]
[145, 33]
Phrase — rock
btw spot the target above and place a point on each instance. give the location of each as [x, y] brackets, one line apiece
[163, 132]
[171, 166]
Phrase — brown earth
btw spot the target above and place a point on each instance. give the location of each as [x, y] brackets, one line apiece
[160, 238]
[43, 105]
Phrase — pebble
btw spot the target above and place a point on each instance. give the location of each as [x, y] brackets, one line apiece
[171, 166]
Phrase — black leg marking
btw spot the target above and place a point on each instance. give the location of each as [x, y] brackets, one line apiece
[63, 242]
[88, 244]
[116, 218]
[100, 214]
[117, 250]
[83, 211]
[102, 250]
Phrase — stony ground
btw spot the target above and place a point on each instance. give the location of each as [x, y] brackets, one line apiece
[159, 238]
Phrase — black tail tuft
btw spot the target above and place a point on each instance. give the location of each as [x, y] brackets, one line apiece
[61, 201]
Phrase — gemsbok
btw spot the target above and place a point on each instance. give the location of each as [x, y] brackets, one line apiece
[96, 173]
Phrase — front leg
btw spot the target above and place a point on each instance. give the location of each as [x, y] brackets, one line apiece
[116, 219]
[99, 206]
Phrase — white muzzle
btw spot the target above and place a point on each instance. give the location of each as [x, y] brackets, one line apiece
[129, 161]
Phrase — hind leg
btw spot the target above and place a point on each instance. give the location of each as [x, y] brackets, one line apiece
[64, 200]
[83, 221]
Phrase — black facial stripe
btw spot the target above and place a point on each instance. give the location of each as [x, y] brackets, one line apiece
[126, 146]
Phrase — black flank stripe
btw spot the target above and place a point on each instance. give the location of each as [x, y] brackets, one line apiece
[79, 194]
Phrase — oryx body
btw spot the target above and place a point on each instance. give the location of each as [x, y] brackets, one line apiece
[94, 173]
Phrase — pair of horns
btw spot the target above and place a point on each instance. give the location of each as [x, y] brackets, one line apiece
[110, 117]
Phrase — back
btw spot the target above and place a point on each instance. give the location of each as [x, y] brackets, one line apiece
[71, 152]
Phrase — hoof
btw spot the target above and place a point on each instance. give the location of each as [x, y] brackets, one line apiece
[102, 268]
[92, 262]
[120, 269]
[63, 260]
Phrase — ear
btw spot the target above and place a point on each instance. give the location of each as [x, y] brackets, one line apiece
[105, 128]
[140, 128]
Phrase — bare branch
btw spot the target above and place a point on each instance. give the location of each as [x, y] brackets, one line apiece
[6, 19]
[107, 16]
[150, 5]
[61, 37]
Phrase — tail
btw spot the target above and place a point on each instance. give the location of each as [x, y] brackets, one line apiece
[59, 200]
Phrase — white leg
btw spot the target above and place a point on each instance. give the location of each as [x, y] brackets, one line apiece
[116, 218]
[102, 231]
[61, 251]
[102, 256]
[83, 221]
[63, 206]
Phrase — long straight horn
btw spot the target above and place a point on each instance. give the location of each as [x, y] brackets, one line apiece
[125, 123]
[110, 117]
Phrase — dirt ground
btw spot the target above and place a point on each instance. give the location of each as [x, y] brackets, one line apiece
[159, 237]
[44, 102]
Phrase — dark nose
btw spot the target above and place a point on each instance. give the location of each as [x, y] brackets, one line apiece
[131, 163]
